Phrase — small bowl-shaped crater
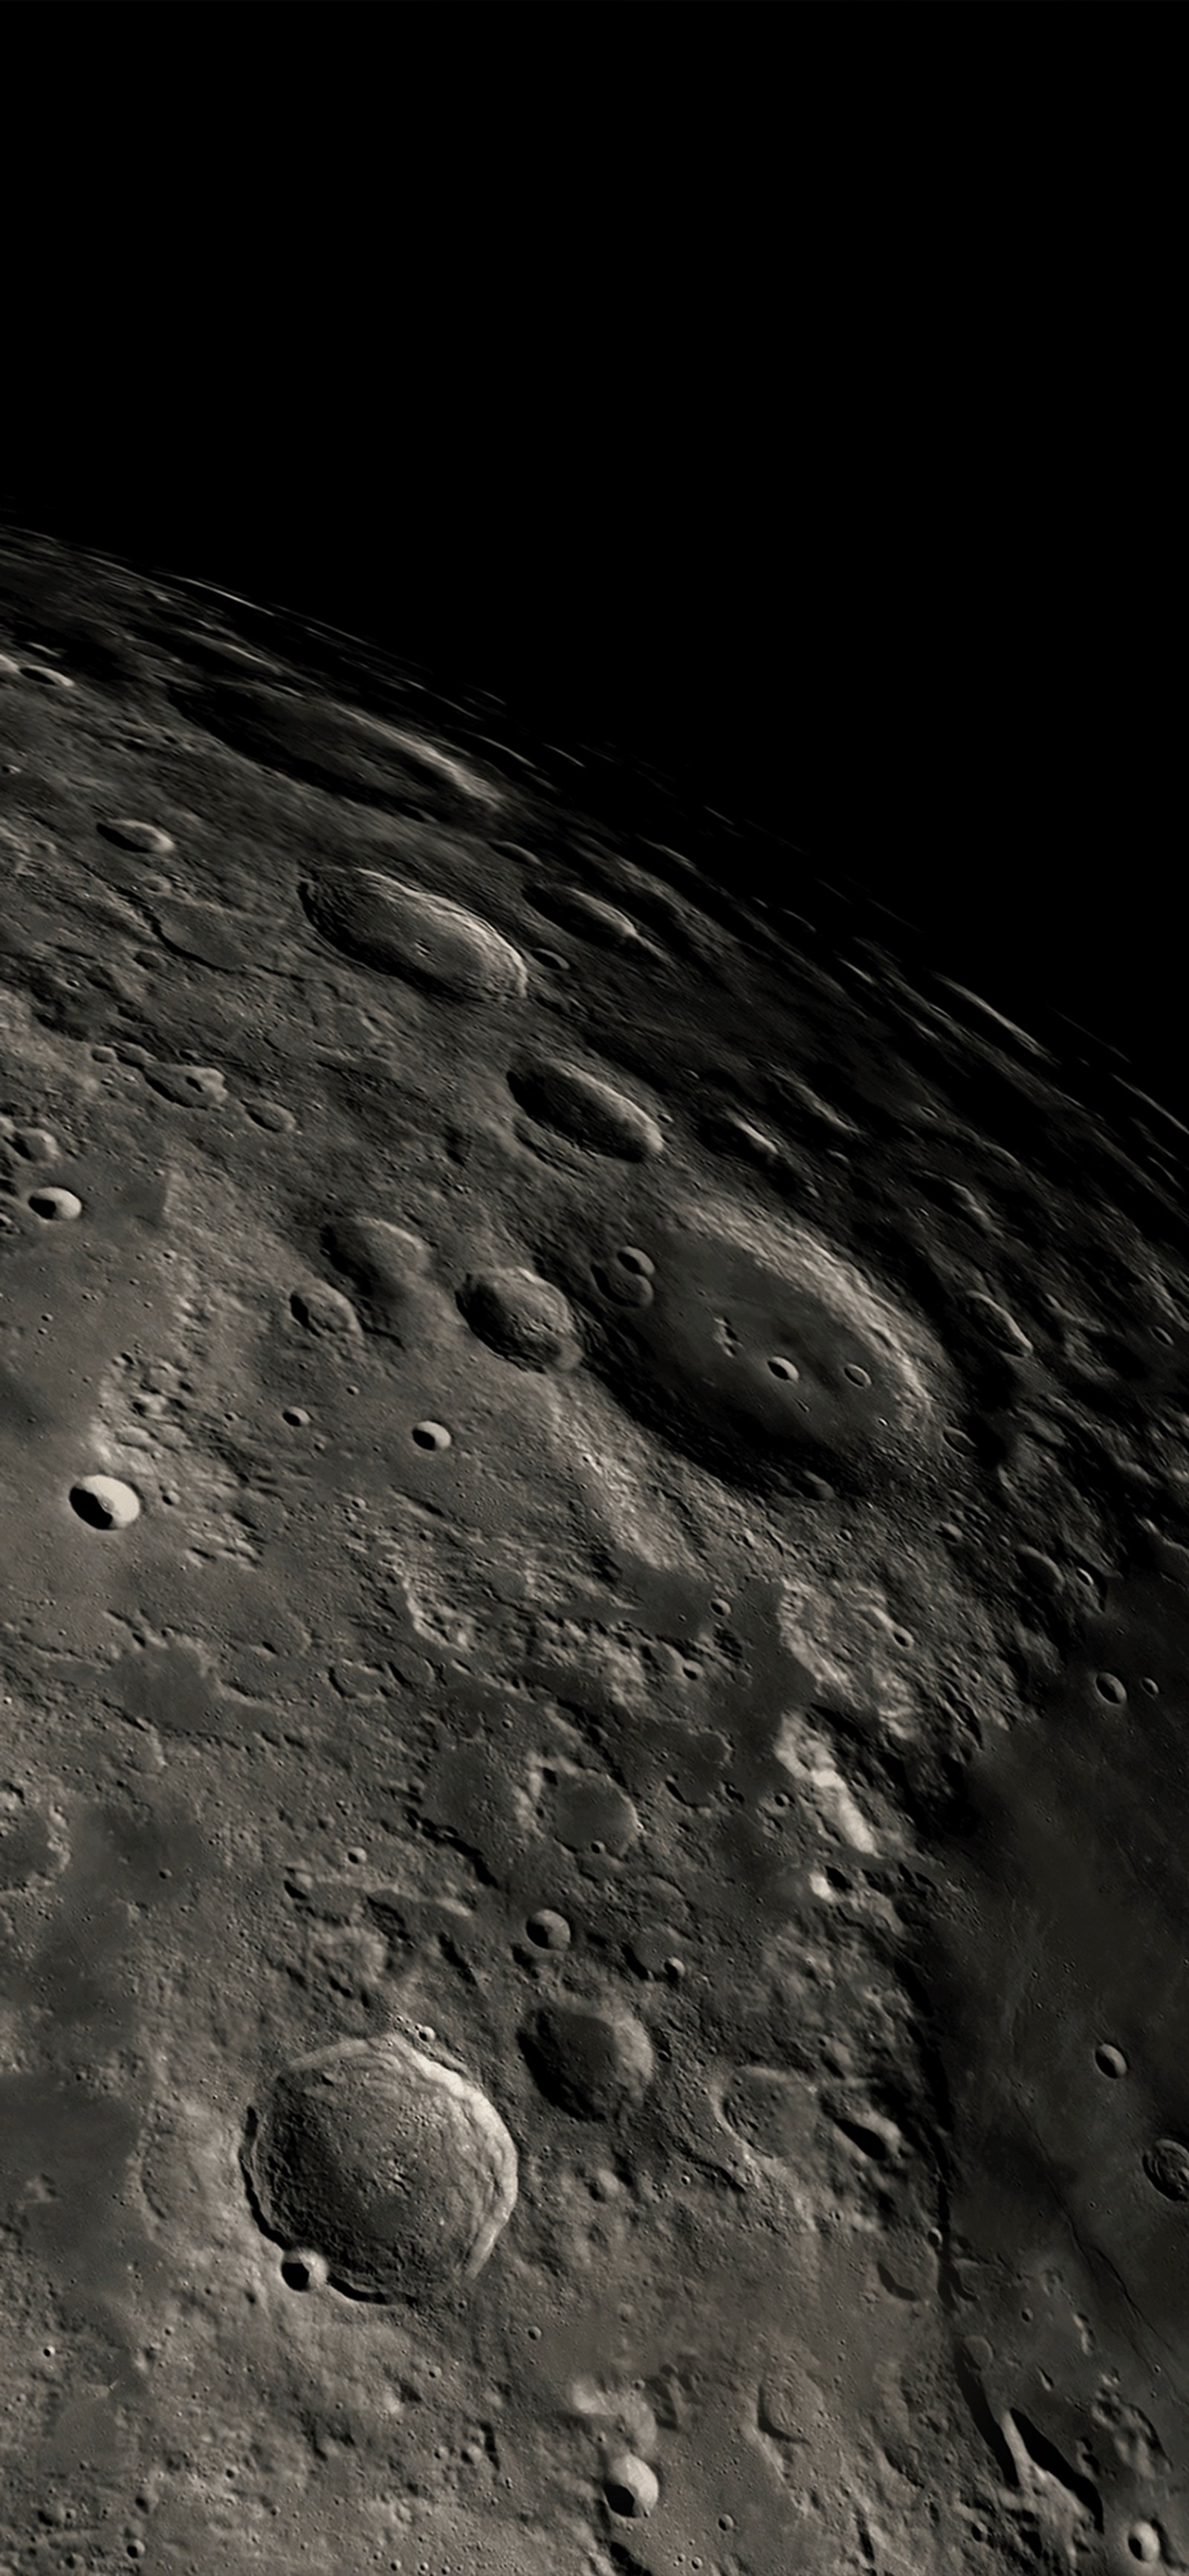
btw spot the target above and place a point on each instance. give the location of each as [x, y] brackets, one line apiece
[626, 1276]
[146, 839]
[104, 1502]
[1144, 2544]
[431, 1435]
[55, 1205]
[1166, 2164]
[630, 2487]
[303, 2268]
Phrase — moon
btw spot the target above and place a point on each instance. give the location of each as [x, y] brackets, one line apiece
[594, 1550]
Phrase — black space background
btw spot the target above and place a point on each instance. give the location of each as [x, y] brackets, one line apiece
[786, 396]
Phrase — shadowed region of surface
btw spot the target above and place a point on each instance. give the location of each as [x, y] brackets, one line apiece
[340, 748]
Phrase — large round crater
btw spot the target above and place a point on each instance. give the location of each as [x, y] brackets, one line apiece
[390, 2163]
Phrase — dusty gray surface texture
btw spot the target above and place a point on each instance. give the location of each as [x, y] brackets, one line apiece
[594, 1607]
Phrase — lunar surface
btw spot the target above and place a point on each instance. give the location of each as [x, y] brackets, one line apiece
[594, 1815]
